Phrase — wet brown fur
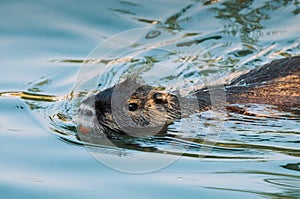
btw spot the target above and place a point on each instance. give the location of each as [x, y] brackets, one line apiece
[276, 83]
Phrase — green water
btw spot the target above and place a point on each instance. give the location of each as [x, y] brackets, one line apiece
[42, 47]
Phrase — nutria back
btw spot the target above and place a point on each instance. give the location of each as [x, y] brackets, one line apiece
[269, 72]
[276, 83]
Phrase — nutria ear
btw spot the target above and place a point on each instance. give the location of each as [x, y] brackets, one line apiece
[156, 96]
[160, 98]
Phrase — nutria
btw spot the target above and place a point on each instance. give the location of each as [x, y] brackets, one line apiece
[135, 107]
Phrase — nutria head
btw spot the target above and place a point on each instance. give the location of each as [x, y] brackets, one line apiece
[133, 108]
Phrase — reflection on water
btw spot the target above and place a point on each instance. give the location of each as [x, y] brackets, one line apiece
[259, 154]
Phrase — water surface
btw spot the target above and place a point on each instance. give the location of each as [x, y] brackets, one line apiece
[42, 47]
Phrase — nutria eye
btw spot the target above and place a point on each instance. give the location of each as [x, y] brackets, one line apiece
[132, 106]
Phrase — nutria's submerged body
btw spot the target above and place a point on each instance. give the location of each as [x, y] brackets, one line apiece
[133, 107]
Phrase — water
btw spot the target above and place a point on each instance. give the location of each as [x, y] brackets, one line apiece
[42, 46]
